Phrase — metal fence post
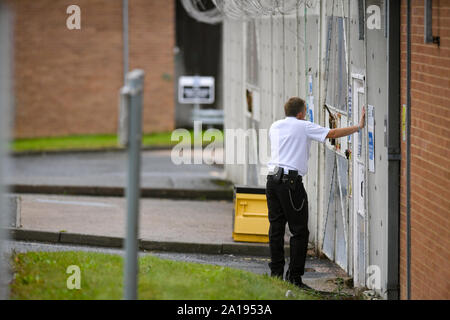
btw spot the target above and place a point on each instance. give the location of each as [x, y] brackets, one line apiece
[5, 106]
[133, 90]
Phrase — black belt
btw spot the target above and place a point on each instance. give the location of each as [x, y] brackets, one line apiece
[285, 176]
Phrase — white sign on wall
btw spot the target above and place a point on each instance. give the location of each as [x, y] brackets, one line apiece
[371, 137]
[192, 90]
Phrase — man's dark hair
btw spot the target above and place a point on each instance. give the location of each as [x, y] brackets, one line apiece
[294, 106]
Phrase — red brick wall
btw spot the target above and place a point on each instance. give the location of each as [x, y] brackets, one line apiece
[67, 81]
[152, 41]
[430, 154]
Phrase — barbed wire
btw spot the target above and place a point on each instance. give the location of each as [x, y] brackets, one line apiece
[242, 9]
[200, 11]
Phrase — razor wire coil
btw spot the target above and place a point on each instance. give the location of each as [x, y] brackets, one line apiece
[214, 11]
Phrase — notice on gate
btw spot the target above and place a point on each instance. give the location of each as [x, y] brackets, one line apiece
[311, 108]
[371, 136]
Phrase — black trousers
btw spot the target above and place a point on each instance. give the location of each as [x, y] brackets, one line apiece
[281, 211]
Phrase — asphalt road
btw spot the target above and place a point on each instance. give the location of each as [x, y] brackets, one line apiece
[110, 169]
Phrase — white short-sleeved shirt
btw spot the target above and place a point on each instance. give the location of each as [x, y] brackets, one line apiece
[290, 141]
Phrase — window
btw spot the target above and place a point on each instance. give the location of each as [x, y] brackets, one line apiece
[252, 64]
[337, 67]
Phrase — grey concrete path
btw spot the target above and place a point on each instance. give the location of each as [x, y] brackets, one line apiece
[160, 219]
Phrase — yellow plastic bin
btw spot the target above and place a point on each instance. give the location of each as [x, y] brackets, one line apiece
[251, 223]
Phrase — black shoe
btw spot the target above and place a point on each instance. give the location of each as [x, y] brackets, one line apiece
[300, 284]
[304, 286]
[276, 275]
[297, 281]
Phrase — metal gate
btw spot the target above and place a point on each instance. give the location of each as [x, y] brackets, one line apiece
[345, 229]
[335, 237]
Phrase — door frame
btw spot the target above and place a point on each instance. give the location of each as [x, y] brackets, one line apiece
[358, 163]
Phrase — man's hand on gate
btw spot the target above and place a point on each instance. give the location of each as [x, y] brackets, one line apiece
[342, 132]
[362, 121]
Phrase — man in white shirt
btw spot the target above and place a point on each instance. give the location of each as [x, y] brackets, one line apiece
[287, 200]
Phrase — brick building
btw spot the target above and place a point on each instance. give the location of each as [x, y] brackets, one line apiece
[67, 81]
[430, 145]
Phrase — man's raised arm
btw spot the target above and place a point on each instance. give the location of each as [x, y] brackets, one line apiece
[342, 132]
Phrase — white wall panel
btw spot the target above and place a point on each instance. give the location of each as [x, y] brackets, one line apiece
[278, 96]
[290, 57]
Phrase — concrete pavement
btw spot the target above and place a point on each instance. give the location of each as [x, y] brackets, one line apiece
[160, 219]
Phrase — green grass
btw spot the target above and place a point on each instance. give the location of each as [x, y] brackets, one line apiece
[42, 275]
[62, 143]
[87, 142]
